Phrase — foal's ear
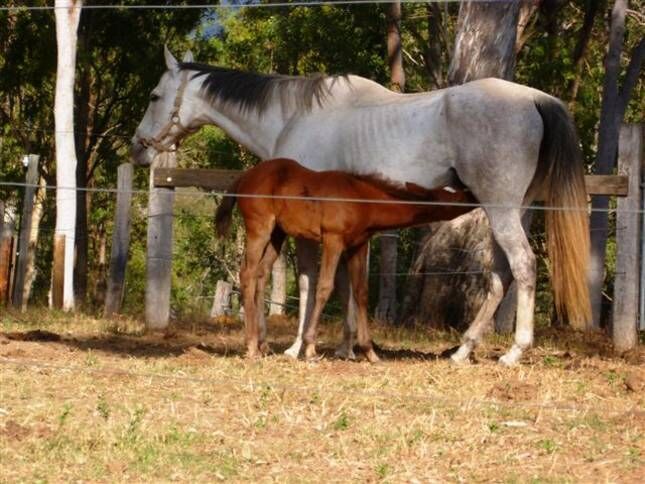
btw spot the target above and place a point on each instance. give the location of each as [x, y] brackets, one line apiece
[188, 56]
[171, 62]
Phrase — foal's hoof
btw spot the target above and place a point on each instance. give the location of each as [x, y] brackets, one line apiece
[310, 353]
[265, 349]
[371, 356]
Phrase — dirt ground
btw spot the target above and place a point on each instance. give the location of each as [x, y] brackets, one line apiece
[89, 400]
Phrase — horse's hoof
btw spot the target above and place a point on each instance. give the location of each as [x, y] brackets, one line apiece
[345, 354]
[458, 360]
[310, 353]
[511, 358]
[265, 349]
[371, 356]
[293, 352]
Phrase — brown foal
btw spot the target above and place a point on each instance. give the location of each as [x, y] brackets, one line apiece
[340, 225]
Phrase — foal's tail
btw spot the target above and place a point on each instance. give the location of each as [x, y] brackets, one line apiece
[562, 173]
[224, 212]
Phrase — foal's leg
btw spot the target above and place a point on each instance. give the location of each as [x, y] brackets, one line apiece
[257, 239]
[357, 265]
[344, 291]
[332, 250]
[307, 257]
[271, 253]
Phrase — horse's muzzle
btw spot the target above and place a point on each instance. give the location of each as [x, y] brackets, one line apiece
[139, 153]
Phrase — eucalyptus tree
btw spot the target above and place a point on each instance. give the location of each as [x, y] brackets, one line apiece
[67, 15]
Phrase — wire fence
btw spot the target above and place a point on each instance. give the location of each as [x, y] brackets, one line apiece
[220, 193]
[236, 5]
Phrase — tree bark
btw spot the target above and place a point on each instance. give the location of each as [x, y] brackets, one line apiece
[67, 15]
[455, 256]
[606, 157]
[386, 308]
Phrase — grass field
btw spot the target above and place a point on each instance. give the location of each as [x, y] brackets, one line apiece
[83, 399]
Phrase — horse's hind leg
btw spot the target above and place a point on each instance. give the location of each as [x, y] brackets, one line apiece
[271, 253]
[257, 238]
[511, 237]
[332, 250]
[357, 265]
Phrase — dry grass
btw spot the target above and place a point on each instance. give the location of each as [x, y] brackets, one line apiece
[91, 400]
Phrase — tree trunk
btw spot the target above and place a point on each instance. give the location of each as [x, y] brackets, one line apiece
[67, 15]
[279, 284]
[610, 117]
[386, 308]
[484, 47]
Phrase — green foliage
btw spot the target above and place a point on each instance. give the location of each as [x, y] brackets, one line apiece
[120, 60]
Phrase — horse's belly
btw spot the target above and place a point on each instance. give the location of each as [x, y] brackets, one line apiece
[398, 144]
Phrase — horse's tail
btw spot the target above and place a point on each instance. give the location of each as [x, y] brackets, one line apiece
[561, 171]
[224, 212]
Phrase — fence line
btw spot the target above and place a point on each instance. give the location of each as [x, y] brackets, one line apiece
[214, 193]
[299, 3]
[262, 385]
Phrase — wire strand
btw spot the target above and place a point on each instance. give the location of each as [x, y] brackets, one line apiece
[211, 193]
[300, 3]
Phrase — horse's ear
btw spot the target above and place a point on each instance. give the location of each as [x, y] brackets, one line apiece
[188, 56]
[171, 62]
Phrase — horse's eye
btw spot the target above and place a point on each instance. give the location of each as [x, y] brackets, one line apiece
[154, 97]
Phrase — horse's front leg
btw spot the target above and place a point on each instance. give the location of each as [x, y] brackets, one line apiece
[307, 260]
[344, 290]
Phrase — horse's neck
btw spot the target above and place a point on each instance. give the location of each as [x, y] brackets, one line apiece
[258, 133]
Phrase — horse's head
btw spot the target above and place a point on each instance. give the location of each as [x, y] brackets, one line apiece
[168, 118]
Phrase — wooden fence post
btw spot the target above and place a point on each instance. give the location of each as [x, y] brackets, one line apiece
[625, 311]
[159, 248]
[120, 241]
[5, 255]
[31, 180]
[222, 299]
[58, 271]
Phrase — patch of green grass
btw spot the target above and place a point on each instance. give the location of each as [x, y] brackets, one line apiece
[382, 470]
[103, 408]
[548, 445]
[551, 361]
[342, 422]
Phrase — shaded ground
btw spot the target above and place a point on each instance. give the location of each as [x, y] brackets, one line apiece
[86, 399]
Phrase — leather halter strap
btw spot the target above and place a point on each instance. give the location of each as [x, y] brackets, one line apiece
[157, 142]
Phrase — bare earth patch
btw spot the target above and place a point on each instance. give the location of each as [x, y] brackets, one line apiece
[93, 400]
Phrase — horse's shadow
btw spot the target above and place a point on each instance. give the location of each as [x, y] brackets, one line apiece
[174, 345]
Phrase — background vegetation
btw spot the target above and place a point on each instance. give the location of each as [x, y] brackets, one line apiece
[120, 60]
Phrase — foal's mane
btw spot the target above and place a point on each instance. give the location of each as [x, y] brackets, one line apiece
[253, 91]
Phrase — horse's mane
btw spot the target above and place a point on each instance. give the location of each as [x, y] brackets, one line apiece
[253, 91]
